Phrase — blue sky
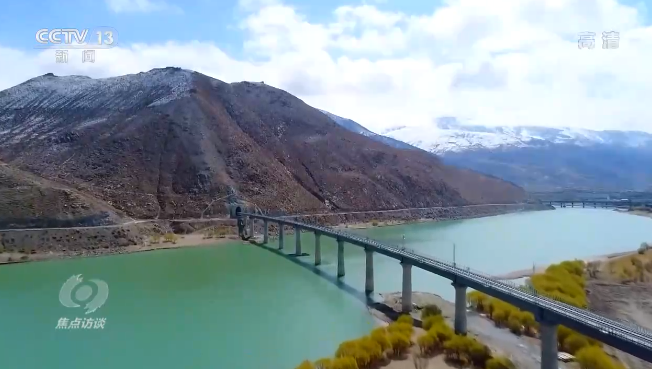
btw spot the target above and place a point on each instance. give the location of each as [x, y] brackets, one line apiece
[382, 63]
[202, 20]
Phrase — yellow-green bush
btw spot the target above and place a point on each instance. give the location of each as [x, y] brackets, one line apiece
[405, 319]
[400, 342]
[306, 365]
[324, 363]
[431, 321]
[565, 282]
[344, 363]
[499, 362]
[593, 357]
[403, 328]
[430, 310]
[380, 335]
[427, 343]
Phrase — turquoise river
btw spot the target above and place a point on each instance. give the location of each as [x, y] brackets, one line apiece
[240, 306]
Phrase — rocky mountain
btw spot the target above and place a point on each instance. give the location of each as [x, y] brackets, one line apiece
[540, 158]
[358, 128]
[28, 201]
[174, 143]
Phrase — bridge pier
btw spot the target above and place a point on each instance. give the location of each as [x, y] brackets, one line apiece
[406, 297]
[369, 274]
[340, 258]
[297, 239]
[280, 236]
[548, 336]
[460, 309]
[265, 231]
[582, 205]
[251, 226]
[317, 248]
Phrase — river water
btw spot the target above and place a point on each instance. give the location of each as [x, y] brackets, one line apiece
[239, 306]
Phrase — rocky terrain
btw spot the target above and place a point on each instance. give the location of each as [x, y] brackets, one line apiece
[28, 201]
[170, 142]
[613, 294]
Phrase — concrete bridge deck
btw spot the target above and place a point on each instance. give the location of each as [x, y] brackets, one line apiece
[624, 336]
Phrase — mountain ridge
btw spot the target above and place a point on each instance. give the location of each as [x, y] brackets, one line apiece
[539, 158]
[170, 142]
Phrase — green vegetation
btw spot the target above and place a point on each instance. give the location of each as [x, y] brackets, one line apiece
[374, 223]
[565, 282]
[593, 357]
[218, 232]
[170, 237]
[395, 340]
[156, 238]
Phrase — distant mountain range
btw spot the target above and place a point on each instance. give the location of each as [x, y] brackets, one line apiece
[537, 158]
[169, 142]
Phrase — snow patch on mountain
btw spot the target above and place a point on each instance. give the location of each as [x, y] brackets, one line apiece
[449, 135]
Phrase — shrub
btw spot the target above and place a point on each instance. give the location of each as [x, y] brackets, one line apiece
[514, 324]
[400, 343]
[427, 343]
[407, 319]
[380, 336]
[499, 362]
[344, 363]
[306, 365]
[325, 363]
[430, 310]
[592, 357]
[431, 321]
[574, 342]
[442, 331]
[403, 328]
[156, 238]
[374, 223]
[170, 237]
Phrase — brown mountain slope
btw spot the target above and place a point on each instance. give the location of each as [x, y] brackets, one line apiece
[172, 140]
[29, 201]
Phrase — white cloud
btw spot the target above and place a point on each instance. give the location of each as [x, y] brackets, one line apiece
[140, 6]
[505, 62]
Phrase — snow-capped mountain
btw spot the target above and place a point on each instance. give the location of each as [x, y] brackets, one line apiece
[357, 128]
[448, 135]
[537, 158]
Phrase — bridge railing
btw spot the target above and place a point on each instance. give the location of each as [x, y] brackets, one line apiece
[622, 329]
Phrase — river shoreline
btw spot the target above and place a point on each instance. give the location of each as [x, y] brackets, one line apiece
[20, 246]
[192, 240]
[523, 273]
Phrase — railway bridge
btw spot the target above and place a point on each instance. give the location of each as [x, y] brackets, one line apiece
[549, 312]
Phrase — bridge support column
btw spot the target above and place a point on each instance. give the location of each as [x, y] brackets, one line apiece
[297, 238]
[340, 258]
[317, 248]
[406, 298]
[460, 309]
[280, 236]
[548, 335]
[251, 226]
[369, 274]
[583, 205]
[265, 232]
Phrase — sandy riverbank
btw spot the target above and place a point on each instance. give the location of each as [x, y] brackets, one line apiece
[538, 269]
[190, 240]
[524, 351]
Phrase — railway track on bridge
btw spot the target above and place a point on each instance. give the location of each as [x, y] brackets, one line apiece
[638, 339]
